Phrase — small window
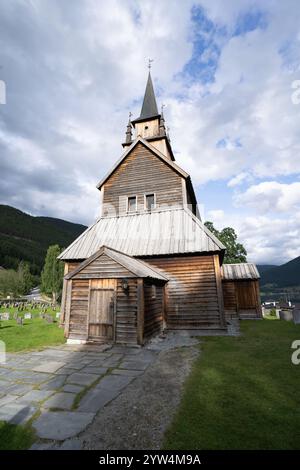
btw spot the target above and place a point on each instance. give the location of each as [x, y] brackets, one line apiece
[149, 202]
[131, 204]
[153, 291]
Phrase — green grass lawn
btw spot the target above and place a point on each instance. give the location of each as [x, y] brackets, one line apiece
[34, 334]
[14, 437]
[242, 393]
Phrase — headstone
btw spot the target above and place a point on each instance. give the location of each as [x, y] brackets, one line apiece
[286, 315]
[57, 314]
[49, 318]
[5, 316]
[20, 321]
[27, 316]
[296, 316]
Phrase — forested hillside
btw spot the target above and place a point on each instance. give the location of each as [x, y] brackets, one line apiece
[286, 275]
[24, 237]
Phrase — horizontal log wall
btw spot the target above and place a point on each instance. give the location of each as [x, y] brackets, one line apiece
[69, 266]
[126, 321]
[192, 293]
[141, 172]
[103, 267]
[153, 310]
[78, 322]
[230, 302]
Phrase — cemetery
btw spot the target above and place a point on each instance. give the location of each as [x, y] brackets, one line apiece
[29, 325]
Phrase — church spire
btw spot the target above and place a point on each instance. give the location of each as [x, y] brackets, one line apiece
[149, 108]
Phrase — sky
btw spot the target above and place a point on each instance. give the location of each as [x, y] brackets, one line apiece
[227, 72]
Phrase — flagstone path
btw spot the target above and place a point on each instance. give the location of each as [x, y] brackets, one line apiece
[60, 390]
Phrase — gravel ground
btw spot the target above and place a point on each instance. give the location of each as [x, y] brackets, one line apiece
[138, 418]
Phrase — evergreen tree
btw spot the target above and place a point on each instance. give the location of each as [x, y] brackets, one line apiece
[52, 274]
[25, 278]
[235, 251]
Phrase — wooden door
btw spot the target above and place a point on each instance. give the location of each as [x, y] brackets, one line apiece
[101, 314]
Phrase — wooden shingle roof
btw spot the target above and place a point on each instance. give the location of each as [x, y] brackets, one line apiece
[239, 271]
[160, 232]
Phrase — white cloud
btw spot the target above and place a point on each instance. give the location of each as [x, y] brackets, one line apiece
[73, 74]
[238, 179]
[271, 196]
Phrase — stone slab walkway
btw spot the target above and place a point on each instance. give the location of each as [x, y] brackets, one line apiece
[63, 390]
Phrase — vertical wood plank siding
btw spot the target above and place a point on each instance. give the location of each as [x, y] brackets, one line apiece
[241, 299]
[153, 322]
[191, 291]
[248, 300]
[140, 173]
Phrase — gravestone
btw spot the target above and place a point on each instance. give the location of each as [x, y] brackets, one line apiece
[49, 318]
[296, 316]
[5, 316]
[57, 314]
[286, 315]
[20, 321]
[27, 316]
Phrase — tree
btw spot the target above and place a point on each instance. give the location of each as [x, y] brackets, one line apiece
[235, 252]
[25, 278]
[52, 274]
[11, 283]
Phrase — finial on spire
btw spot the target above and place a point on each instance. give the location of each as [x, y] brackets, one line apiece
[149, 63]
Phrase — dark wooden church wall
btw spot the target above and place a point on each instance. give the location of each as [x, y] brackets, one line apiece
[153, 310]
[78, 320]
[126, 321]
[248, 299]
[103, 268]
[241, 299]
[193, 291]
[140, 173]
[230, 304]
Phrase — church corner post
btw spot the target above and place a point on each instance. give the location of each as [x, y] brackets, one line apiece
[219, 290]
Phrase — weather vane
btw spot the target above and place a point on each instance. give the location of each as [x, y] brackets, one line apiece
[162, 107]
[149, 63]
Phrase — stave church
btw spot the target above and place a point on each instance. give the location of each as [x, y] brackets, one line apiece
[149, 264]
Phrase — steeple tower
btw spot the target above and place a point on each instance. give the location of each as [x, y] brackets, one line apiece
[150, 125]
